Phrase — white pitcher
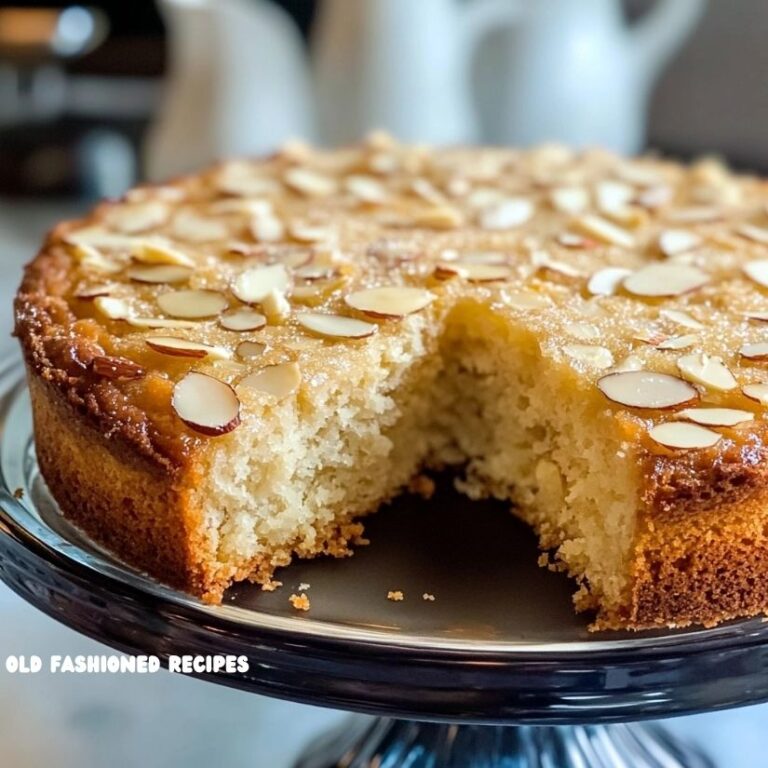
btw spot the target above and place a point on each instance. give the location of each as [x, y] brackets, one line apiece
[400, 65]
[574, 71]
[238, 84]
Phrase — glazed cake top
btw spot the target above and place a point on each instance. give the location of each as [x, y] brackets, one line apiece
[645, 277]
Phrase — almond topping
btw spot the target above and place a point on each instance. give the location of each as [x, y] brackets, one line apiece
[94, 291]
[716, 417]
[336, 325]
[116, 368]
[507, 214]
[309, 183]
[606, 281]
[675, 241]
[658, 280]
[279, 380]
[309, 233]
[696, 215]
[646, 389]
[681, 318]
[190, 305]
[612, 196]
[706, 370]
[156, 252]
[678, 342]
[159, 273]
[243, 319]
[250, 349]
[438, 217]
[199, 229]
[757, 351]
[267, 229]
[390, 301]
[756, 315]
[114, 309]
[757, 271]
[475, 273]
[751, 232]
[159, 322]
[679, 434]
[136, 217]
[176, 347]
[276, 307]
[573, 200]
[367, 189]
[254, 285]
[757, 392]
[605, 231]
[205, 404]
[595, 356]
[89, 257]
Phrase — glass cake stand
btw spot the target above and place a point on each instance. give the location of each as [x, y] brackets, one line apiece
[496, 671]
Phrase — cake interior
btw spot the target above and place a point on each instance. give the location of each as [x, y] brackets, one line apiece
[478, 394]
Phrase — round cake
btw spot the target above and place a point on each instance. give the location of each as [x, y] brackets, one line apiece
[229, 370]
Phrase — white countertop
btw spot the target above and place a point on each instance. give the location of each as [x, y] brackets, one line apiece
[166, 721]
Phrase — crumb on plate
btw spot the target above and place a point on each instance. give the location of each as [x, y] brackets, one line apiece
[299, 602]
[395, 595]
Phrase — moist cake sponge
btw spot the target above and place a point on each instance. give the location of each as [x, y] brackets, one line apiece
[231, 370]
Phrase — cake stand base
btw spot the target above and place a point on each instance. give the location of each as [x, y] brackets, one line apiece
[386, 743]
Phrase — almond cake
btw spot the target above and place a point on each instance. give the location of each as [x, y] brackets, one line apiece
[229, 370]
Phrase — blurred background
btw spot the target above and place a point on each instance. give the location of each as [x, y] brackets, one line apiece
[95, 98]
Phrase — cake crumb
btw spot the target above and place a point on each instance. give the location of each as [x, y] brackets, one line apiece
[430, 598]
[271, 585]
[395, 595]
[423, 486]
[303, 587]
[299, 602]
[18, 493]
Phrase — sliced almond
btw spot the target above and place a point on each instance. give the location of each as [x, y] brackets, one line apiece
[254, 285]
[438, 217]
[157, 252]
[678, 342]
[91, 258]
[655, 196]
[475, 273]
[542, 260]
[665, 279]
[177, 347]
[267, 229]
[276, 307]
[675, 241]
[159, 273]
[116, 368]
[757, 271]
[160, 322]
[572, 240]
[243, 319]
[583, 331]
[240, 177]
[757, 392]
[335, 326]
[90, 292]
[250, 349]
[367, 189]
[525, 300]
[507, 214]
[593, 355]
[629, 363]
[612, 196]
[114, 309]
[606, 281]
[758, 351]
[390, 301]
[136, 217]
[694, 215]
[604, 231]
[716, 417]
[753, 233]
[309, 233]
[681, 318]
[99, 237]
[572, 200]
[190, 305]
[280, 380]
[195, 228]
[205, 404]
[478, 257]
[679, 434]
[646, 389]
[756, 315]
[708, 371]
[309, 183]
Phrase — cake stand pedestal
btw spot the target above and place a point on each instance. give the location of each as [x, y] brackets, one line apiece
[495, 672]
